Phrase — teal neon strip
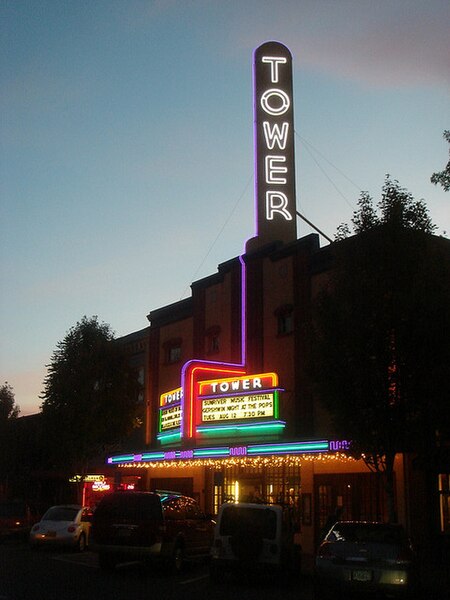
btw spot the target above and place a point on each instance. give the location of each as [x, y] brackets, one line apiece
[124, 458]
[286, 448]
[240, 428]
[199, 452]
[168, 434]
[170, 438]
[153, 456]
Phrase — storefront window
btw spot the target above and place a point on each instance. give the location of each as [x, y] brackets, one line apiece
[249, 484]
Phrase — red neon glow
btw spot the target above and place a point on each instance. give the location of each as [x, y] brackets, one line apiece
[247, 383]
[191, 372]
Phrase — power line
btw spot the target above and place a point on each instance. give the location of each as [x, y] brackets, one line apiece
[307, 145]
[219, 234]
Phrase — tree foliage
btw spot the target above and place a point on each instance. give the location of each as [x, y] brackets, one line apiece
[9, 412]
[382, 331]
[89, 399]
[442, 178]
[8, 406]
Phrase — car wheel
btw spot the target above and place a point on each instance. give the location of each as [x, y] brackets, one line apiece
[106, 562]
[178, 558]
[81, 544]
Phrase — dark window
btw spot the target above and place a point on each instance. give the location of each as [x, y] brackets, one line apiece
[174, 354]
[172, 350]
[213, 339]
[285, 319]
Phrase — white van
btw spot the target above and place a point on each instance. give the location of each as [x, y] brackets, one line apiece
[251, 536]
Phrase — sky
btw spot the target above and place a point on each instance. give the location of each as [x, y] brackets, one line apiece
[127, 145]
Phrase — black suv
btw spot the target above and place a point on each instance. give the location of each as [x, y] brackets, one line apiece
[164, 526]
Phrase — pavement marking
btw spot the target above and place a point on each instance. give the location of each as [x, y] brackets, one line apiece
[76, 561]
[194, 579]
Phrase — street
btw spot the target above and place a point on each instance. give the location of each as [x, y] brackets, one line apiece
[62, 575]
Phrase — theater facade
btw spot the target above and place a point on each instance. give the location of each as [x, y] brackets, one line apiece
[229, 411]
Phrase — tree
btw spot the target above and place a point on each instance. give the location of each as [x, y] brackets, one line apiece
[443, 177]
[8, 406]
[9, 411]
[381, 350]
[90, 394]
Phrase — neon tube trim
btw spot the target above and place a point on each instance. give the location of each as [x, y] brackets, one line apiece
[238, 394]
[289, 448]
[252, 450]
[198, 453]
[203, 428]
[164, 438]
[188, 372]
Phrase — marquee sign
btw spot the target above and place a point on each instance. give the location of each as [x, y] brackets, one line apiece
[238, 398]
[249, 402]
[231, 406]
[170, 410]
[274, 143]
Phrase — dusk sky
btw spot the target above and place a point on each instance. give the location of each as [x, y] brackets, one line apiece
[127, 145]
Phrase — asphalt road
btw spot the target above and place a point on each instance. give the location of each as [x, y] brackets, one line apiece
[62, 575]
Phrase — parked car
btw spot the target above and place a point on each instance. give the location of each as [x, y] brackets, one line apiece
[161, 526]
[255, 537]
[366, 556]
[16, 518]
[65, 525]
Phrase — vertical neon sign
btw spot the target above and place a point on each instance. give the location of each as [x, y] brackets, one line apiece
[274, 144]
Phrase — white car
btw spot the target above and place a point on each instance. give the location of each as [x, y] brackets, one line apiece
[64, 525]
[255, 537]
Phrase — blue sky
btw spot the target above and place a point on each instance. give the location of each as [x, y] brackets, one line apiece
[127, 145]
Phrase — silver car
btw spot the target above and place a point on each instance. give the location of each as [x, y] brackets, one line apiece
[65, 525]
[365, 556]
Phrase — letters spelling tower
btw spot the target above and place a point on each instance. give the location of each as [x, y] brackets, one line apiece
[274, 146]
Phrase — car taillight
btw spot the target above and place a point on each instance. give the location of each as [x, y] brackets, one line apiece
[71, 529]
[35, 528]
[325, 550]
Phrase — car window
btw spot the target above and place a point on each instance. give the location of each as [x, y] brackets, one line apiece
[255, 521]
[61, 513]
[367, 533]
[174, 509]
[87, 515]
[193, 510]
[133, 506]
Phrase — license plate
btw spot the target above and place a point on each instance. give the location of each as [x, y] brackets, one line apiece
[50, 534]
[361, 575]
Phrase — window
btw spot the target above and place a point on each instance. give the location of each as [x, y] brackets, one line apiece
[285, 319]
[172, 351]
[174, 354]
[213, 339]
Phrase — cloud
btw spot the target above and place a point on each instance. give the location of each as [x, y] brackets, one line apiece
[382, 44]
